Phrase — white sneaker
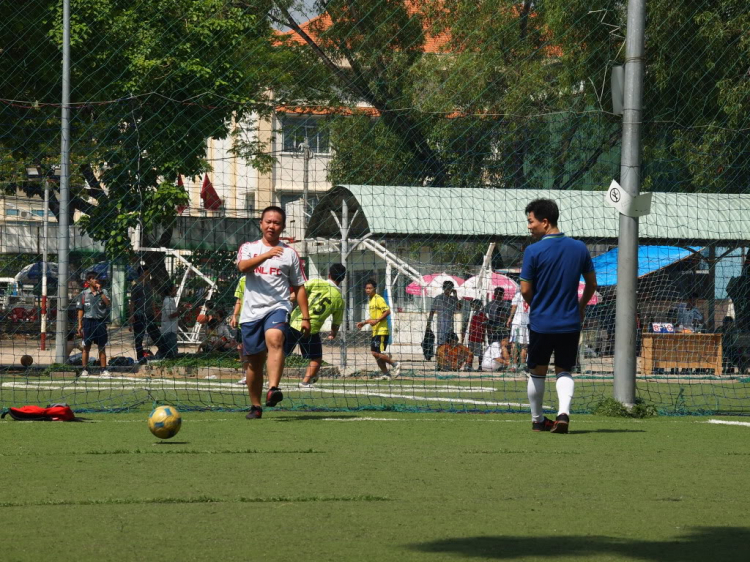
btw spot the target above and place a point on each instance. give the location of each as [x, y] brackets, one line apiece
[242, 381]
[105, 374]
[210, 377]
[307, 385]
[396, 370]
[385, 378]
[84, 374]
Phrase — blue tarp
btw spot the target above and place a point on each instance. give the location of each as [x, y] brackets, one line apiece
[650, 259]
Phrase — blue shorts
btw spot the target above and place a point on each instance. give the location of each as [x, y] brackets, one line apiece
[310, 347]
[254, 333]
[94, 332]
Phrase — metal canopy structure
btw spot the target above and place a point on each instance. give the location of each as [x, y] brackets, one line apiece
[497, 214]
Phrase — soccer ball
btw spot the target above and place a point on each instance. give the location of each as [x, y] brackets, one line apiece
[27, 360]
[165, 422]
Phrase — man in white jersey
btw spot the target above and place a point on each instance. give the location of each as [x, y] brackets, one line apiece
[272, 269]
[518, 321]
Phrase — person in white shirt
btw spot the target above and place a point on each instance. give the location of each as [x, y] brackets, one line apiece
[272, 270]
[169, 318]
[493, 360]
[518, 320]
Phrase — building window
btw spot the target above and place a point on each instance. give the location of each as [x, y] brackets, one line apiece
[38, 212]
[11, 212]
[294, 129]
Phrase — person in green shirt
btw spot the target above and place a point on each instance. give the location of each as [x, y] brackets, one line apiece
[379, 312]
[324, 298]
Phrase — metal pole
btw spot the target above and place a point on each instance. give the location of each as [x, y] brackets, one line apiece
[630, 178]
[43, 345]
[63, 231]
[345, 282]
[305, 189]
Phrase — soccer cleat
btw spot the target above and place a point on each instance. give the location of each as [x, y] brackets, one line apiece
[545, 425]
[396, 370]
[84, 374]
[561, 424]
[242, 381]
[385, 377]
[273, 397]
[255, 413]
[307, 385]
[105, 374]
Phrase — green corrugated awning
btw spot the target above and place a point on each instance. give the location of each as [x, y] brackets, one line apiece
[480, 213]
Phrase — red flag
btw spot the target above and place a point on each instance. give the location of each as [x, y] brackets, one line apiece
[211, 200]
[180, 208]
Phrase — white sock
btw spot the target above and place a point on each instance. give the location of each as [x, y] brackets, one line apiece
[536, 395]
[564, 387]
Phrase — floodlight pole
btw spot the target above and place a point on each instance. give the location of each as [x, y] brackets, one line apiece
[630, 179]
[63, 230]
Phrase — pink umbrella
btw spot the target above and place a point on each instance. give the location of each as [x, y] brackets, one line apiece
[433, 285]
[594, 299]
[475, 286]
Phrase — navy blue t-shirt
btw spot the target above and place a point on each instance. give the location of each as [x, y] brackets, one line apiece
[554, 266]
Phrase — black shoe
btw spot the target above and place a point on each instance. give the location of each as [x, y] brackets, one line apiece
[273, 397]
[255, 413]
[544, 425]
[561, 424]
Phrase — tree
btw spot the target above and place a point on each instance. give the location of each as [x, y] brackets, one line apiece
[517, 94]
[151, 82]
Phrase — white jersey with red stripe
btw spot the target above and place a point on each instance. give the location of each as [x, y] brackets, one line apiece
[267, 286]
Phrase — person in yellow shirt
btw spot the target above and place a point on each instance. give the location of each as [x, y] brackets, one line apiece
[379, 312]
[325, 300]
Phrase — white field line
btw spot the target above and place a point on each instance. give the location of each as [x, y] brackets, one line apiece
[81, 385]
[727, 422]
[101, 383]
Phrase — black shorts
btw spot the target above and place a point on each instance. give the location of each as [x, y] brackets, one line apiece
[94, 331]
[378, 344]
[564, 346]
[310, 347]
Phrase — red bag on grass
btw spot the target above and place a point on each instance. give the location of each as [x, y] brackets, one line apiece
[56, 412]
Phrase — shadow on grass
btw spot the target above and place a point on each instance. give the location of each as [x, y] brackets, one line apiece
[313, 418]
[702, 543]
[160, 443]
[582, 431]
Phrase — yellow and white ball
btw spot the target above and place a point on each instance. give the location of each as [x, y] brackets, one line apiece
[165, 422]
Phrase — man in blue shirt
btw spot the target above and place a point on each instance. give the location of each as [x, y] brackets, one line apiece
[552, 268]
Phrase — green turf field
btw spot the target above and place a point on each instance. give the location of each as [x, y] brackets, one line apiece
[374, 486]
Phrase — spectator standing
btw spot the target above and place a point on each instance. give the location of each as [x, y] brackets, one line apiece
[477, 332]
[518, 321]
[445, 305]
[143, 312]
[93, 306]
[498, 313]
[169, 321]
[552, 268]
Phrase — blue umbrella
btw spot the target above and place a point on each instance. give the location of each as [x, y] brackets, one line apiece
[33, 273]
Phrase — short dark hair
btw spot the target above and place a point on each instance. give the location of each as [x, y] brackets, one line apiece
[475, 302]
[448, 285]
[337, 272]
[92, 275]
[276, 209]
[728, 319]
[451, 338]
[371, 282]
[166, 290]
[544, 209]
[499, 292]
